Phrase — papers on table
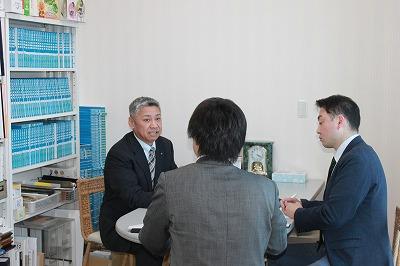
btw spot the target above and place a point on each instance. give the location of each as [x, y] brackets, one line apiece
[135, 226]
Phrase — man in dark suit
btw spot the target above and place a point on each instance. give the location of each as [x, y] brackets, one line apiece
[352, 217]
[131, 171]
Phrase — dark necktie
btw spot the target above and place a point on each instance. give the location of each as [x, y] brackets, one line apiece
[331, 167]
[333, 163]
[152, 164]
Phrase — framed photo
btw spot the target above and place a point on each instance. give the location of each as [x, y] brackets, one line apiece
[257, 157]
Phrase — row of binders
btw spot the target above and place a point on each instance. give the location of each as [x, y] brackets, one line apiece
[39, 96]
[40, 49]
[38, 142]
[92, 126]
[95, 200]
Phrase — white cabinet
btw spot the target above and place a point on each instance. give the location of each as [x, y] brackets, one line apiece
[40, 106]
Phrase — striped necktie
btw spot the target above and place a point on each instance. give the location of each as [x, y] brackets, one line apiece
[152, 164]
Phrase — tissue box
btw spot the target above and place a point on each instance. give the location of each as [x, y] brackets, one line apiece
[289, 177]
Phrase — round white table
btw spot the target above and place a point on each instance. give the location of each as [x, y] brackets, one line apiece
[308, 190]
[132, 218]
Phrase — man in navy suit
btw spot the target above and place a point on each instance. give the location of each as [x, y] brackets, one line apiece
[352, 217]
[131, 172]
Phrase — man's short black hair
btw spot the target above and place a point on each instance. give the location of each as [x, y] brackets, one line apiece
[218, 126]
[339, 104]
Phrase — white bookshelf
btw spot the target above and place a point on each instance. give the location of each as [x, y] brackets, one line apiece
[33, 170]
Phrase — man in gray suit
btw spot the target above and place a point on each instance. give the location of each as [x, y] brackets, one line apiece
[212, 212]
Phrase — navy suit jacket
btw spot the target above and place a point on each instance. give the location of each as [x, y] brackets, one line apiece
[353, 215]
[127, 181]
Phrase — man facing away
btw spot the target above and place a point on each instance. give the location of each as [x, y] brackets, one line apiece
[131, 171]
[352, 217]
[212, 212]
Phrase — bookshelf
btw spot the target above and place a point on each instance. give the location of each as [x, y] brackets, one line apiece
[40, 109]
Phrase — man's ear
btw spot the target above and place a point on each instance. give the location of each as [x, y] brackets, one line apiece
[341, 121]
[131, 122]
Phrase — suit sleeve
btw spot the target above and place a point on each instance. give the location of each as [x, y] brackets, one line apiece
[347, 191]
[123, 180]
[278, 239]
[172, 164]
[155, 232]
[310, 203]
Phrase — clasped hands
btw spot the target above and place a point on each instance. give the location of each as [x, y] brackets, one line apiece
[289, 206]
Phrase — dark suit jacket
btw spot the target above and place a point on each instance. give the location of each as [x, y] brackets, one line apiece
[128, 184]
[353, 215]
[215, 214]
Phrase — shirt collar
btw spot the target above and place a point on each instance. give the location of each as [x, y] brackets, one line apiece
[343, 146]
[146, 147]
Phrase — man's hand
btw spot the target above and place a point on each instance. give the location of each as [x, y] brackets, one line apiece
[290, 205]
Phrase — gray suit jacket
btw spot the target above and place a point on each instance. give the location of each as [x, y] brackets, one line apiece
[214, 214]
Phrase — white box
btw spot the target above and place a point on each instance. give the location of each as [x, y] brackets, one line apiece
[14, 6]
[289, 177]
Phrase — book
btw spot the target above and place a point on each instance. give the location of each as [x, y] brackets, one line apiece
[4, 232]
[5, 235]
[46, 184]
[62, 183]
[40, 185]
[36, 190]
[28, 197]
[49, 177]
[6, 242]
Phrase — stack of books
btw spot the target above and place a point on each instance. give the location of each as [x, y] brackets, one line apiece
[37, 142]
[31, 48]
[39, 96]
[92, 141]
[48, 185]
[6, 240]
[67, 186]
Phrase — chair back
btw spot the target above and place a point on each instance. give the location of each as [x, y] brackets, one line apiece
[90, 194]
[396, 238]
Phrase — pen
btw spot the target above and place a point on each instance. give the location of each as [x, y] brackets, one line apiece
[294, 195]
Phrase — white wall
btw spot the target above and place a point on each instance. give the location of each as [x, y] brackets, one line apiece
[263, 54]
[391, 125]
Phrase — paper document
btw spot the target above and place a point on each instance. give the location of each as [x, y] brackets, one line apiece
[135, 226]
